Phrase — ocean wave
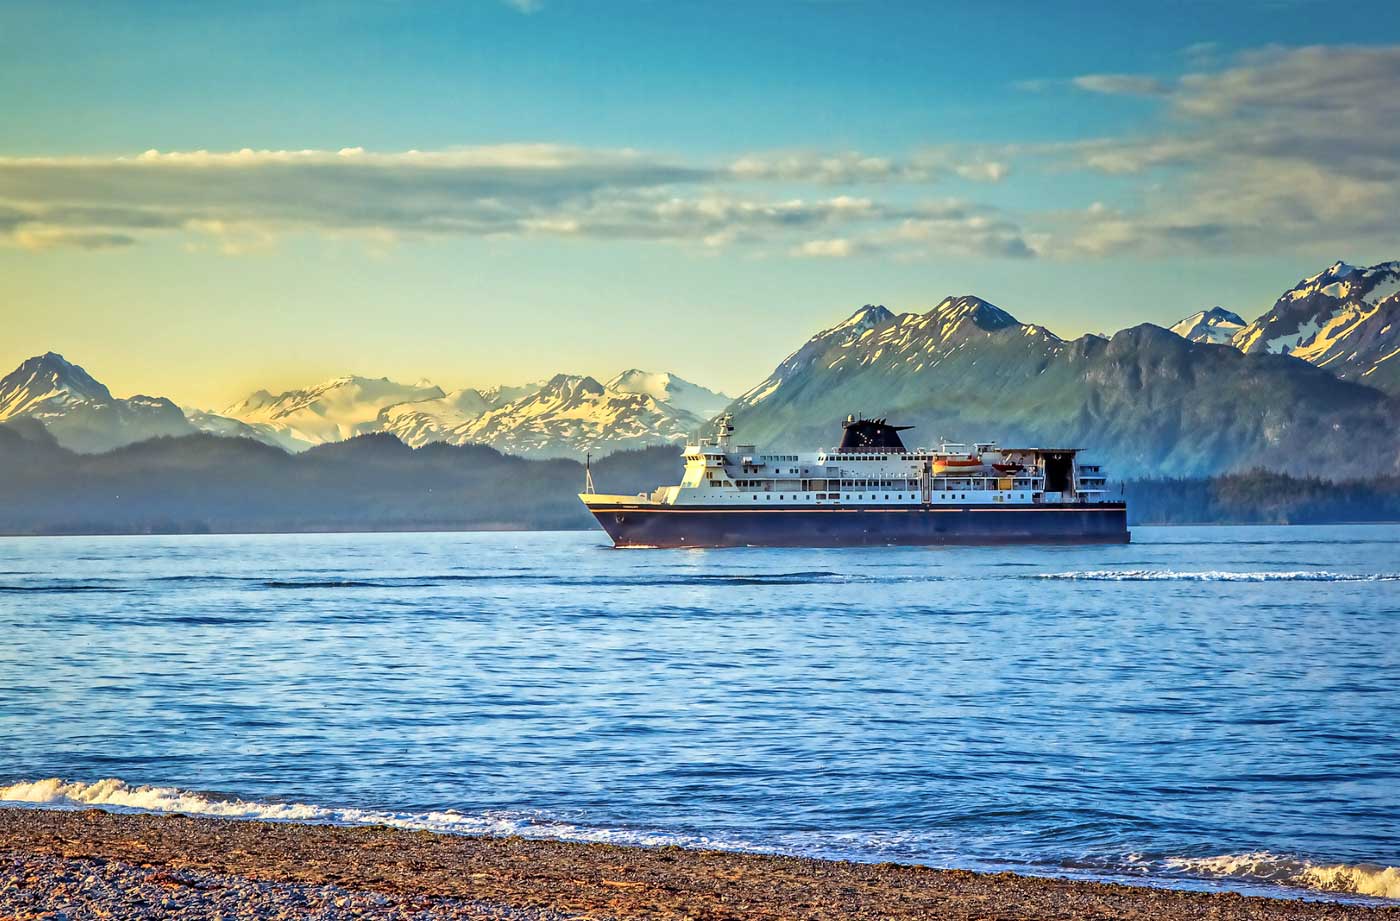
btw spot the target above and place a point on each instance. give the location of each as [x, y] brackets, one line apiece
[1371, 880]
[1356, 879]
[757, 578]
[1169, 575]
[119, 796]
[59, 588]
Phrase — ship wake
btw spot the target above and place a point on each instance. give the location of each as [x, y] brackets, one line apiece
[1169, 575]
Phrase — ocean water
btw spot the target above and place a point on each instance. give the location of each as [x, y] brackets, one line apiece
[1206, 707]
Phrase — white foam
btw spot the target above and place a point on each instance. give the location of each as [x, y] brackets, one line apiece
[1359, 879]
[117, 795]
[1168, 575]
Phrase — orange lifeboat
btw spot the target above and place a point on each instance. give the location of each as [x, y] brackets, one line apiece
[966, 465]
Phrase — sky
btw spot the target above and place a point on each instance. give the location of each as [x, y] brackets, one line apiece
[202, 200]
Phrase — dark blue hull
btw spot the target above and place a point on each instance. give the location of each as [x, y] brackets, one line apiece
[829, 526]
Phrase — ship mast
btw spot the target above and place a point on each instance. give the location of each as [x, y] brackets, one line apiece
[724, 427]
[588, 475]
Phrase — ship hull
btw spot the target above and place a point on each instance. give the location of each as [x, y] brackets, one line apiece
[828, 526]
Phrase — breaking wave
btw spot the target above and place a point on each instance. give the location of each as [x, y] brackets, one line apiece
[1371, 880]
[1168, 575]
[1356, 879]
[120, 796]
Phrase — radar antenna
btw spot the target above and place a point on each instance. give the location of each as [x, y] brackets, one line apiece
[724, 427]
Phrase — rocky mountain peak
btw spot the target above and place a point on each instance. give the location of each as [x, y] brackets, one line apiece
[572, 386]
[952, 311]
[669, 388]
[48, 380]
[867, 317]
[79, 411]
[1345, 319]
[1216, 326]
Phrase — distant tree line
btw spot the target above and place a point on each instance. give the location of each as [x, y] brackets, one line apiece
[1263, 497]
[209, 484]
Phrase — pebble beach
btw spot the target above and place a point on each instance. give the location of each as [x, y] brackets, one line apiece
[91, 864]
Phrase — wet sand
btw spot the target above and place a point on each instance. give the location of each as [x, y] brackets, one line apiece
[94, 864]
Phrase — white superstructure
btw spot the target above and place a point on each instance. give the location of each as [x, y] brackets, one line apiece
[722, 473]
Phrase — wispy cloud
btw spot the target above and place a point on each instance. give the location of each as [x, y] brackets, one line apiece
[243, 200]
[1121, 84]
[849, 167]
[1280, 147]
[1285, 146]
[838, 248]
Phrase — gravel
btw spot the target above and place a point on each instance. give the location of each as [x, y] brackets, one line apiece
[91, 888]
[94, 864]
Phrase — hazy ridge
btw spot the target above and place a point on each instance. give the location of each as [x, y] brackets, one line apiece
[210, 484]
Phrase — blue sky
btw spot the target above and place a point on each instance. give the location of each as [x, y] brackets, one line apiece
[688, 186]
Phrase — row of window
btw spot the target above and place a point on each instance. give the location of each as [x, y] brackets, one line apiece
[807, 497]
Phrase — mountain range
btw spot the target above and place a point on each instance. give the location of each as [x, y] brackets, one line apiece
[568, 415]
[565, 416]
[1311, 385]
[1146, 401]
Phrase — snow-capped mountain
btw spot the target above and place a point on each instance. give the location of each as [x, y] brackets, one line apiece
[665, 387]
[1146, 401]
[331, 411]
[79, 411]
[426, 421]
[1217, 326]
[1345, 319]
[225, 427]
[572, 415]
[565, 416]
[905, 344]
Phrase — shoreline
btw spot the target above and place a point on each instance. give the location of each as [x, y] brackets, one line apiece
[88, 862]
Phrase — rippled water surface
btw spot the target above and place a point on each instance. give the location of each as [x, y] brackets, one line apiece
[1210, 704]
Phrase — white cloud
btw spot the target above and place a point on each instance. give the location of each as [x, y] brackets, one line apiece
[1121, 84]
[845, 167]
[983, 171]
[41, 238]
[1283, 147]
[825, 249]
[1280, 147]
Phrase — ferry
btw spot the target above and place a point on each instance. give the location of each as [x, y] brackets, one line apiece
[871, 490]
